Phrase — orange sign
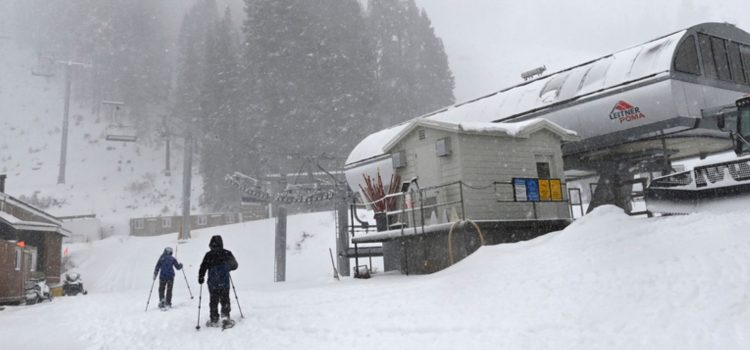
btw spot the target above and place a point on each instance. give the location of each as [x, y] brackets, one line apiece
[544, 190]
[556, 190]
[21, 244]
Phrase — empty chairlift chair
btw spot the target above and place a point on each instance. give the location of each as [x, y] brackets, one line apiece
[117, 130]
[44, 67]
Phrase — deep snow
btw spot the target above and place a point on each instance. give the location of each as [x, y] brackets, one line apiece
[609, 281]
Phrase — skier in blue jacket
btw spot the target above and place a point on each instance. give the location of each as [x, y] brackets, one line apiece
[166, 263]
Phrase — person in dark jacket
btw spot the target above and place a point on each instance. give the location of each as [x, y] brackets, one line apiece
[218, 262]
[166, 264]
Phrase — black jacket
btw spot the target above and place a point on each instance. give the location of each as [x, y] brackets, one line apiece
[218, 261]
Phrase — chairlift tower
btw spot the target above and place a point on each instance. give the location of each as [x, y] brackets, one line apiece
[69, 65]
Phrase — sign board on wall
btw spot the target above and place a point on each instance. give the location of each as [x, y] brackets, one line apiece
[537, 190]
[519, 189]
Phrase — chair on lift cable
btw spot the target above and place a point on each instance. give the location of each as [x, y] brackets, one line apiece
[121, 133]
[44, 67]
[117, 131]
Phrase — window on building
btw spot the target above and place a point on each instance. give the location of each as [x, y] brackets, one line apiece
[719, 48]
[34, 259]
[542, 170]
[686, 60]
[735, 62]
[138, 224]
[202, 220]
[421, 134]
[19, 256]
[166, 222]
[709, 68]
[229, 218]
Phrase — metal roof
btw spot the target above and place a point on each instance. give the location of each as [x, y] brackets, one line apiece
[633, 64]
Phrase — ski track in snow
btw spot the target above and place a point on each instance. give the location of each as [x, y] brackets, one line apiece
[608, 281]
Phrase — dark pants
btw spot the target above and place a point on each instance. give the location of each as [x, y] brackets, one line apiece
[219, 295]
[168, 285]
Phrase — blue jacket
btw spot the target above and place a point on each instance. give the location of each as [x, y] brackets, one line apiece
[165, 264]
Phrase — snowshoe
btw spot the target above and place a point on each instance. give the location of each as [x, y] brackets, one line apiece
[210, 323]
[163, 306]
[227, 323]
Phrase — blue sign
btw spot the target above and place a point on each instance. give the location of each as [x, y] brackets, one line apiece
[532, 190]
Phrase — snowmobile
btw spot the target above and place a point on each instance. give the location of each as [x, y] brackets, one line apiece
[73, 284]
[709, 185]
[36, 290]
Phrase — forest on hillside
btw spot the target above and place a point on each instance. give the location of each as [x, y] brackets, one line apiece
[293, 81]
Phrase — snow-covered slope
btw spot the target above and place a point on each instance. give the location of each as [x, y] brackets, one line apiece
[114, 180]
[608, 281]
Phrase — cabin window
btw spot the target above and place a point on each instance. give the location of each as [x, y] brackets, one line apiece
[687, 57]
[34, 259]
[202, 220]
[735, 62]
[709, 68]
[542, 170]
[595, 77]
[19, 256]
[229, 218]
[551, 90]
[166, 222]
[138, 224]
[745, 53]
[720, 58]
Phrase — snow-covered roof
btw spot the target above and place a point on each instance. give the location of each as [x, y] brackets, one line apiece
[520, 129]
[624, 67]
[19, 224]
[29, 208]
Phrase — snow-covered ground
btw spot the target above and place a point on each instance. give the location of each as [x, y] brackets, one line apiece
[608, 281]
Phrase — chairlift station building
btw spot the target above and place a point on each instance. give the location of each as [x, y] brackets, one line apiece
[637, 109]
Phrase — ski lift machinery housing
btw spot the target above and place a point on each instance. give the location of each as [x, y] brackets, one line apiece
[638, 108]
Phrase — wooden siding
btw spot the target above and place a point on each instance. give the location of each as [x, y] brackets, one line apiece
[11, 280]
[478, 161]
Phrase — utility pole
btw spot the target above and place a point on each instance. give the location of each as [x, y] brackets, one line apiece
[279, 265]
[64, 143]
[186, 178]
[167, 139]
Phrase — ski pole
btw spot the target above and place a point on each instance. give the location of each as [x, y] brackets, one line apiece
[188, 284]
[200, 294]
[149, 293]
[183, 272]
[235, 297]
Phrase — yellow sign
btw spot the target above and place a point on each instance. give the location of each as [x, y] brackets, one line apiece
[544, 190]
[556, 190]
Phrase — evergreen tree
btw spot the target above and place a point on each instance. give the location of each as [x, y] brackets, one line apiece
[222, 145]
[412, 70]
[309, 67]
[191, 68]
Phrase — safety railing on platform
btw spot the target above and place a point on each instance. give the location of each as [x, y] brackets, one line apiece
[417, 207]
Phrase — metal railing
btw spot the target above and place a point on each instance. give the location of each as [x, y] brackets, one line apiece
[447, 200]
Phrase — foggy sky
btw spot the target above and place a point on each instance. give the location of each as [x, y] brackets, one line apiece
[490, 42]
